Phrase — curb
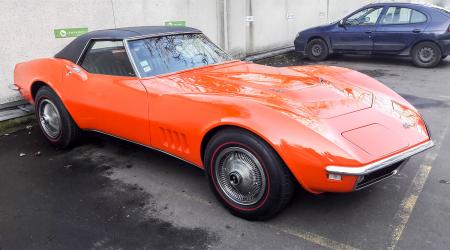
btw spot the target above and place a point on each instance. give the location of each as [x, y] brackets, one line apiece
[267, 54]
[16, 124]
[15, 111]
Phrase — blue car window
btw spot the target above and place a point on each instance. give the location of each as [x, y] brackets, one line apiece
[398, 15]
[367, 16]
[417, 17]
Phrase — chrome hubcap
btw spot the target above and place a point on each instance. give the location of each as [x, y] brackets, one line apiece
[426, 54]
[316, 50]
[49, 118]
[240, 176]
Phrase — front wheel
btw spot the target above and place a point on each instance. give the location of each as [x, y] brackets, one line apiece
[317, 50]
[55, 122]
[247, 175]
[426, 55]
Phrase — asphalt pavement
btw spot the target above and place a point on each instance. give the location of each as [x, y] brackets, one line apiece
[110, 194]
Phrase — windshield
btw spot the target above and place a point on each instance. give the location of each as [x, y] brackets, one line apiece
[160, 55]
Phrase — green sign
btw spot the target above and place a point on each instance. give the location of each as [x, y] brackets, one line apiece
[69, 32]
[175, 23]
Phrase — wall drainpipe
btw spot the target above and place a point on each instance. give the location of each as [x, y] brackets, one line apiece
[249, 27]
[225, 25]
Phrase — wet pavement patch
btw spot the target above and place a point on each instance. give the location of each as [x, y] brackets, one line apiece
[377, 72]
[64, 199]
[110, 194]
[283, 60]
[424, 102]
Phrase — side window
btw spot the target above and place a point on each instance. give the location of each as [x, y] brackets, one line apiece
[397, 15]
[417, 17]
[107, 58]
[367, 16]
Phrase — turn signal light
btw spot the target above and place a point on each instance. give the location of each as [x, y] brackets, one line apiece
[335, 177]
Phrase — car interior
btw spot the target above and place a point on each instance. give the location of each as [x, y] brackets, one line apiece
[108, 61]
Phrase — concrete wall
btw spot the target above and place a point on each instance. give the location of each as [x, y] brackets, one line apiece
[27, 25]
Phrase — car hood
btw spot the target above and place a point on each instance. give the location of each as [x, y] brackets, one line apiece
[324, 99]
[290, 89]
[321, 28]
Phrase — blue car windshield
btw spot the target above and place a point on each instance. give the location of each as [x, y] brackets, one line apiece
[166, 54]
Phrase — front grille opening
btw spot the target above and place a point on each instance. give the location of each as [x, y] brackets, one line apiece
[379, 175]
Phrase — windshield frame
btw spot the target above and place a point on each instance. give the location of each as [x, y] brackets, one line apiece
[133, 63]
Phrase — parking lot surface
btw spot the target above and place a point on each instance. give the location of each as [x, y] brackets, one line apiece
[106, 193]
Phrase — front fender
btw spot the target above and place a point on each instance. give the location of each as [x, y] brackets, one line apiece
[303, 149]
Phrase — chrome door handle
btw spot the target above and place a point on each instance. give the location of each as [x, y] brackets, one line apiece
[76, 69]
[73, 69]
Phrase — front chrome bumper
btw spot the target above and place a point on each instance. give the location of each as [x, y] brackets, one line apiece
[375, 166]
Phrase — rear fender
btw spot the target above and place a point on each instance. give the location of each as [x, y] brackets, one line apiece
[48, 71]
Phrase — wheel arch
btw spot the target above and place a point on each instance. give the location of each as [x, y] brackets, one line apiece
[327, 41]
[35, 86]
[220, 127]
[214, 130]
[38, 84]
[423, 41]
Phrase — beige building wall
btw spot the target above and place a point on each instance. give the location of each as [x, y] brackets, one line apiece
[241, 27]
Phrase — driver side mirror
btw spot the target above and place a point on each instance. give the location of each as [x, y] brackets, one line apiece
[341, 23]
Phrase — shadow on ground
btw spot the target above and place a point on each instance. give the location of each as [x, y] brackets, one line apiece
[53, 199]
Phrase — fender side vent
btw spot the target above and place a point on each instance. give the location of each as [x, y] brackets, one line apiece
[174, 140]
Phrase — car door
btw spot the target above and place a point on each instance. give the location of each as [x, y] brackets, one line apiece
[399, 28]
[104, 94]
[354, 33]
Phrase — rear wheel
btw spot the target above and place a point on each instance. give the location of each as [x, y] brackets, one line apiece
[317, 50]
[247, 175]
[54, 120]
[426, 55]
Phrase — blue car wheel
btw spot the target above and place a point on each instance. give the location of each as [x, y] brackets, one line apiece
[317, 50]
[426, 55]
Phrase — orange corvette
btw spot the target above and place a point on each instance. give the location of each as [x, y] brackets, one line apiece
[256, 130]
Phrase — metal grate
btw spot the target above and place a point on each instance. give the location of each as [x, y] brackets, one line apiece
[379, 175]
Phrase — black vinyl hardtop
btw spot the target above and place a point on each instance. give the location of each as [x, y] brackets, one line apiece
[74, 49]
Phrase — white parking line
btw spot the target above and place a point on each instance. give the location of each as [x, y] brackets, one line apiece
[409, 202]
[444, 97]
[400, 219]
[314, 238]
[407, 205]
[304, 235]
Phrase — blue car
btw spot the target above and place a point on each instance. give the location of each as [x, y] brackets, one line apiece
[403, 29]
